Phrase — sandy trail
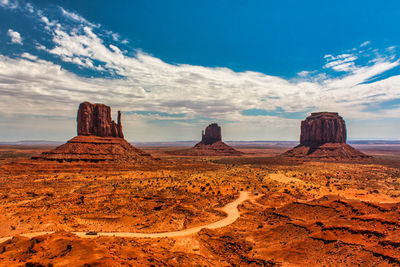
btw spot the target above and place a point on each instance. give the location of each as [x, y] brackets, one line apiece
[230, 209]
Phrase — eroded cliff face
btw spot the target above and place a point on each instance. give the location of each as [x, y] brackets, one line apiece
[95, 119]
[99, 139]
[323, 136]
[211, 135]
[321, 128]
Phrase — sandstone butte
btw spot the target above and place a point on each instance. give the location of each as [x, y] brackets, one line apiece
[95, 119]
[323, 136]
[210, 145]
[99, 139]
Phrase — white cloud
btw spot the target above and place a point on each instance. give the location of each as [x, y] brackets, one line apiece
[29, 7]
[15, 36]
[12, 4]
[115, 36]
[29, 56]
[343, 62]
[304, 73]
[76, 17]
[365, 43]
[49, 23]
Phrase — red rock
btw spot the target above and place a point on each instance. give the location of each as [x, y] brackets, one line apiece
[96, 149]
[99, 139]
[326, 151]
[210, 145]
[321, 128]
[211, 135]
[323, 136]
[218, 148]
[95, 119]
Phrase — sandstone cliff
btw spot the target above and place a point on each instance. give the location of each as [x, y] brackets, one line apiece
[99, 139]
[95, 119]
[321, 128]
[323, 136]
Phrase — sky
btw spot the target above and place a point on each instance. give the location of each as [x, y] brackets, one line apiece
[257, 68]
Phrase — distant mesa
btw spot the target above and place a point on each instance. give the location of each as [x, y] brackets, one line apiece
[210, 145]
[323, 136]
[99, 139]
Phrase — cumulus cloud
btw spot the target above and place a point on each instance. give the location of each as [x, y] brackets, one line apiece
[15, 36]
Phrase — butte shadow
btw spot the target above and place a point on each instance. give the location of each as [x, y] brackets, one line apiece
[210, 145]
[99, 139]
[323, 136]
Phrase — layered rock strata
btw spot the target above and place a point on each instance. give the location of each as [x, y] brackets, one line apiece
[95, 119]
[323, 136]
[99, 139]
[321, 128]
[96, 149]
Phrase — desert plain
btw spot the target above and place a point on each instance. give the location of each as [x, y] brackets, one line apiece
[299, 212]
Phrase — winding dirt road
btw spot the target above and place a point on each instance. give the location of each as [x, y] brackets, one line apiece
[230, 209]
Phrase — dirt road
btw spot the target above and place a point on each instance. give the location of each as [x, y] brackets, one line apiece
[230, 209]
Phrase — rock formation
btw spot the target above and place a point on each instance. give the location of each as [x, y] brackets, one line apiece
[95, 119]
[211, 135]
[321, 128]
[210, 145]
[99, 139]
[323, 136]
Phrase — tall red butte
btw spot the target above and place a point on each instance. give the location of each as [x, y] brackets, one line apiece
[323, 136]
[95, 119]
[99, 139]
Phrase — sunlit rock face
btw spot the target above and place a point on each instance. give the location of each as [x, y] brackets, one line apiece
[321, 128]
[99, 139]
[323, 136]
[95, 119]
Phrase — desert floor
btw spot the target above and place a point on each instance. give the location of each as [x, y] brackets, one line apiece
[257, 209]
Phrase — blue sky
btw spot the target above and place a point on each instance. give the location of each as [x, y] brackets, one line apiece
[172, 67]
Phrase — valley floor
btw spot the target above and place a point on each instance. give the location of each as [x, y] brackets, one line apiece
[300, 213]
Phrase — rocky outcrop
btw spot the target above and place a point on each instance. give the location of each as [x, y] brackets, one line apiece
[323, 136]
[95, 119]
[99, 139]
[321, 128]
[211, 135]
[210, 145]
[96, 149]
[218, 148]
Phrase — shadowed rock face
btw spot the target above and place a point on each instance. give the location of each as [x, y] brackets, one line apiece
[95, 119]
[211, 135]
[321, 128]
